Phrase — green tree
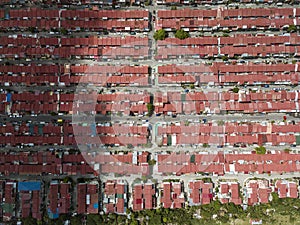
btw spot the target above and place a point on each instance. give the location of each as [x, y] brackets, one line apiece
[173, 7]
[150, 108]
[275, 198]
[81, 180]
[155, 220]
[220, 122]
[160, 34]
[260, 150]
[68, 179]
[53, 113]
[94, 219]
[130, 146]
[121, 219]
[33, 29]
[29, 221]
[205, 145]
[292, 28]
[134, 222]
[76, 220]
[235, 90]
[225, 58]
[151, 162]
[181, 34]
[63, 31]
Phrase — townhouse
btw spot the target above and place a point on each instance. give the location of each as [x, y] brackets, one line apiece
[88, 198]
[274, 162]
[172, 194]
[30, 198]
[8, 194]
[88, 20]
[227, 134]
[106, 75]
[257, 191]
[115, 196]
[229, 191]
[124, 75]
[42, 162]
[226, 19]
[122, 163]
[238, 45]
[30, 134]
[92, 47]
[144, 196]
[185, 163]
[200, 192]
[59, 199]
[286, 189]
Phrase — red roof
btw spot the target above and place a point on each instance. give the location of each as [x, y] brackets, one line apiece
[144, 196]
[200, 192]
[59, 197]
[286, 189]
[197, 19]
[258, 191]
[115, 200]
[173, 196]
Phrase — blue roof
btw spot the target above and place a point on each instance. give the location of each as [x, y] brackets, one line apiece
[8, 97]
[53, 215]
[29, 186]
[93, 129]
[96, 206]
[6, 15]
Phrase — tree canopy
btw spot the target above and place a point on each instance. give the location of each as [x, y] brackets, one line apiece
[260, 150]
[150, 108]
[235, 89]
[160, 34]
[181, 34]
